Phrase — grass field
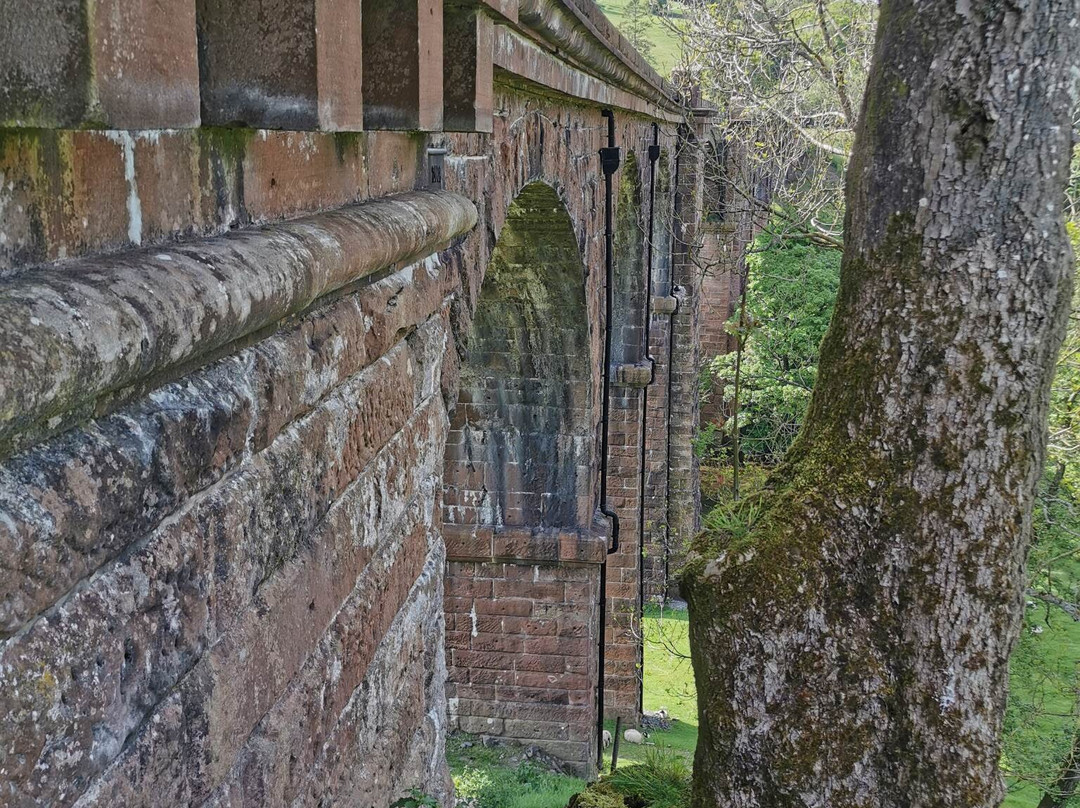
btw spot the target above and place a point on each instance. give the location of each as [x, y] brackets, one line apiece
[668, 683]
[666, 45]
[1047, 687]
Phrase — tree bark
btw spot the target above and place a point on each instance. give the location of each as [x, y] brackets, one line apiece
[851, 649]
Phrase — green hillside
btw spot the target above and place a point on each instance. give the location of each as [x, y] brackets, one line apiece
[664, 42]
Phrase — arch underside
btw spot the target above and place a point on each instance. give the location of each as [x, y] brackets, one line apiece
[521, 436]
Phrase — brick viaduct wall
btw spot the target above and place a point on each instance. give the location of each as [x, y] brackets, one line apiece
[246, 348]
[729, 225]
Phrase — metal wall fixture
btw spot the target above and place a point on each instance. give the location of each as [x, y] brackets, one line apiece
[609, 163]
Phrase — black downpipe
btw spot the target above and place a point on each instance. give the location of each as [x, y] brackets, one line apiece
[670, 375]
[654, 155]
[609, 163]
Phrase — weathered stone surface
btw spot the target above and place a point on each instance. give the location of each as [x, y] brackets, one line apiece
[520, 440]
[281, 64]
[44, 68]
[68, 337]
[144, 62]
[72, 504]
[467, 63]
[123, 64]
[72, 193]
[403, 64]
[147, 622]
[226, 576]
[522, 652]
[579, 28]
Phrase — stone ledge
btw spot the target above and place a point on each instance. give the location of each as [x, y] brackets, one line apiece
[526, 59]
[579, 29]
[76, 333]
[523, 544]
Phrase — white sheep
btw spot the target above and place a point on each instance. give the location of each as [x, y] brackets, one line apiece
[1036, 629]
[634, 736]
[607, 739]
[662, 714]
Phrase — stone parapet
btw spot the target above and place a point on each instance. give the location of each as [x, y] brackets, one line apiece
[72, 336]
[281, 64]
[117, 64]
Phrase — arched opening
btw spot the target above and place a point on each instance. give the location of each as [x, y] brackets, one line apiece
[521, 433]
[522, 582]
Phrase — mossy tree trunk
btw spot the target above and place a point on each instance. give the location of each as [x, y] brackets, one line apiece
[850, 648]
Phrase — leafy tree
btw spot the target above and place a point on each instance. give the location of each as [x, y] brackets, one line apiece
[635, 26]
[790, 297]
[850, 646]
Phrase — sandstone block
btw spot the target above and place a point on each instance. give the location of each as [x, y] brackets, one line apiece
[280, 64]
[116, 64]
[403, 64]
[468, 89]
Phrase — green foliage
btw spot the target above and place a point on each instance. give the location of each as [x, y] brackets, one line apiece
[635, 26]
[707, 445]
[598, 795]
[659, 28]
[525, 786]
[661, 781]
[1043, 713]
[1041, 718]
[416, 799]
[495, 777]
[734, 520]
[790, 297]
[1063, 448]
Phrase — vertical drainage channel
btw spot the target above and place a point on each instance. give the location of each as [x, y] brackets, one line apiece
[654, 155]
[609, 162]
[673, 291]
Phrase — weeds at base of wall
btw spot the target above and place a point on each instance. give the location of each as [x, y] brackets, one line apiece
[662, 780]
[416, 799]
[491, 774]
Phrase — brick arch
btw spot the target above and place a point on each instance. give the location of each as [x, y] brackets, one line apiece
[519, 495]
[519, 453]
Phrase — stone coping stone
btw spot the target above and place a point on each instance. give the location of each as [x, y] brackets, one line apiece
[82, 330]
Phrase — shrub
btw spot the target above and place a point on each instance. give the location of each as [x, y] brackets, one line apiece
[791, 293]
[598, 795]
[526, 786]
[662, 781]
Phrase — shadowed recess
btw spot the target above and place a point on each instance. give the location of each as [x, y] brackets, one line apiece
[519, 449]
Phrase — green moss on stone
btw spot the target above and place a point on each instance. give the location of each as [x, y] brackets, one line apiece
[597, 795]
[348, 144]
[230, 142]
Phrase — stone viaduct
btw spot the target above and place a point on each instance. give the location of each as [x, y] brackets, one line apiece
[334, 339]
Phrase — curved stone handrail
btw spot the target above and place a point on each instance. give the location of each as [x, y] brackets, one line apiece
[567, 25]
[74, 333]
